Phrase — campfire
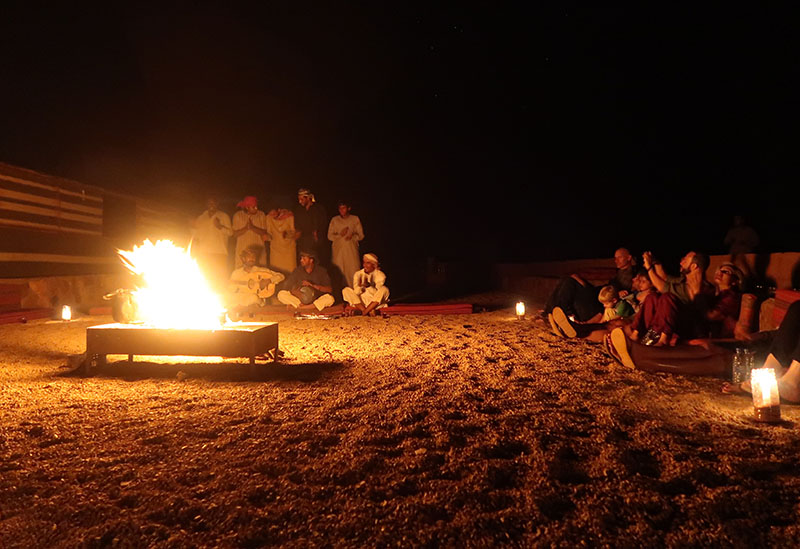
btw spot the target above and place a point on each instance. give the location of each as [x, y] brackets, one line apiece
[176, 313]
[173, 292]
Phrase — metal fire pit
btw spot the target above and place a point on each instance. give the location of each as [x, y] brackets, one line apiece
[241, 340]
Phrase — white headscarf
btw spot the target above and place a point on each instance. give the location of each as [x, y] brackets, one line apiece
[306, 192]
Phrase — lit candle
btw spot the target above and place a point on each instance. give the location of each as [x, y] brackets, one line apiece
[520, 310]
[766, 399]
[66, 313]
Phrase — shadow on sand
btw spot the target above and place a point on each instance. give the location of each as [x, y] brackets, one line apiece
[218, 371]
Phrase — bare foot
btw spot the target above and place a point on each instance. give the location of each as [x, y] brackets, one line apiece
[742, 388]
[704, 343]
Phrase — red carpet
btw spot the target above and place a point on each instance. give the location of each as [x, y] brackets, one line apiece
[24, 315]
[427, 309]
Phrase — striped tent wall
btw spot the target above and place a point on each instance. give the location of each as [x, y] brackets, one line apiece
[51, 226]
[154, 224]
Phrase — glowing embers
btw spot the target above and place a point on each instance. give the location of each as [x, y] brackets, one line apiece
[173, 293]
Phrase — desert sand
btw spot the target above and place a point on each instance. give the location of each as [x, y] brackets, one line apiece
[472, 430]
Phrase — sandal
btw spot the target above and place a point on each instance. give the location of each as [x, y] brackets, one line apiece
[563, 322]
[619, 343]
[554, 327]
[608, 348]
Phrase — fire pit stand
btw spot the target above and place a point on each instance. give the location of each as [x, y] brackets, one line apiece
[237, 340]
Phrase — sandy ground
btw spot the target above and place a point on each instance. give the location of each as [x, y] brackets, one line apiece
[461, 431]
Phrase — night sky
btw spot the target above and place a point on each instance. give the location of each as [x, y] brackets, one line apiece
[493, 132]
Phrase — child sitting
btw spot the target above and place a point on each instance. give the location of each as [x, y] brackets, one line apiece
[614, 307]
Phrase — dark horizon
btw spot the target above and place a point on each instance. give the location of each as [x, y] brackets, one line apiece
[510, 134]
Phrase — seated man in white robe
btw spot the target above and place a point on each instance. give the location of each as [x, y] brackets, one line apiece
[250, 285]
[369, 291]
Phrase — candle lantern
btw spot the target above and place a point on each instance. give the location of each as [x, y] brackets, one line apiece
[766, 400]
[520, 310]
[66, 313]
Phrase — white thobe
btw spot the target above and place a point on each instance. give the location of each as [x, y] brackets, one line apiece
[249, 238]
[344, 252]
[282, 247]
[207, 238]
[210, 246]
[239, 292]
[367, 288]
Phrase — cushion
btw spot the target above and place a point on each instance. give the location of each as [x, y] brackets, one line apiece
[783, 298]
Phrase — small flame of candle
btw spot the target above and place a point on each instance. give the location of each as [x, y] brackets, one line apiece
[66, 313]
[520, 309]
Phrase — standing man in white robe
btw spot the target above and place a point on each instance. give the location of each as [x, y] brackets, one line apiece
[250, 230]
[282, 242]
[369, 291]
[210, 235]
[345, 232]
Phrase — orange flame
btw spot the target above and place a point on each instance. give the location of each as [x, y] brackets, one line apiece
[174, 293]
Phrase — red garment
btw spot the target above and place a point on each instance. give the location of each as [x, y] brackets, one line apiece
[659, 312]
[727, 303]
[248, 201]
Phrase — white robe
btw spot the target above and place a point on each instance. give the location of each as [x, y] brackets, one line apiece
[367, 288]
[249, 238]
[207, 238]
[282, 247]
[240, 294]
[344, 252]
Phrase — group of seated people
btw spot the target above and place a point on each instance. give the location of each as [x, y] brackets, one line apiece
[653, 321]
[307, 289]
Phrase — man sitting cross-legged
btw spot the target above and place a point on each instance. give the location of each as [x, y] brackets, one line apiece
[369, 291]
[250, 285]
[308, 287]
[682, 299]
